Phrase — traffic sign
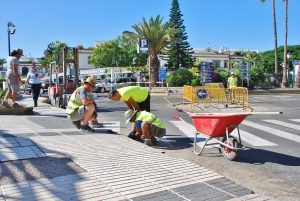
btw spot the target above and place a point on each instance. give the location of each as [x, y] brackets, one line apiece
[162, 75]
[143, 45]
[201, 93]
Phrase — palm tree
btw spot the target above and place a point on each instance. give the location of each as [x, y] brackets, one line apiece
[284, 74]
[275, 40]
[159, 35]
[2, 61]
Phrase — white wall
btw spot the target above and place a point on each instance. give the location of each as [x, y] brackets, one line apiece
[83, 55]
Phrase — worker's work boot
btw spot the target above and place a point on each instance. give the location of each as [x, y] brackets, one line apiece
[154, 141]
[77, 124]
[148, 142]
[132, 135]
[87, 128]
[97, 125]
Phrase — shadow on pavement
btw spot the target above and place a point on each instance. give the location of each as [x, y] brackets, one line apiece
[22, 159]
[260, 156]
[174, 143]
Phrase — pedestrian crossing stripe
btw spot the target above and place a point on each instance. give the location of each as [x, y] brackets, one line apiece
[296, 120]
[282, 123]
[273, 131]
[253, 140]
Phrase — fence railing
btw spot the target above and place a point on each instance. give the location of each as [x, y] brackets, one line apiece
[215, 93]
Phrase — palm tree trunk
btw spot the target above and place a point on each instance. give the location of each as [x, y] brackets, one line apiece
[284, 74]
[154, 67]
[275, 43]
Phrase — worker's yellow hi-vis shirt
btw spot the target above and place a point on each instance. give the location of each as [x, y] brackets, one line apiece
[138, 94]
[232, 82]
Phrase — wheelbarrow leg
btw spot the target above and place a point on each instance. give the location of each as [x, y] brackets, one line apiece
[195, 144]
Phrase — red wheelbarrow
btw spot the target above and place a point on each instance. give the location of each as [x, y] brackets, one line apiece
[216, 127]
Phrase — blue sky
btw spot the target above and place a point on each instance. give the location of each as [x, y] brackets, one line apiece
[235, 24]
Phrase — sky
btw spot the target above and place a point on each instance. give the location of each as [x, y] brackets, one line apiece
[235, 24]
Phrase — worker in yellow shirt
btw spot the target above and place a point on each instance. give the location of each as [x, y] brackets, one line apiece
[232, 81]
[135, 97]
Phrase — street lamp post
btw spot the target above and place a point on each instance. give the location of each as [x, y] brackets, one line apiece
[288, 56]
[10, 30]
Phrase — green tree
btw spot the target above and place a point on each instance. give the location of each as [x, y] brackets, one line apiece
[253, 58]
[276, 69]
[106, 54]
[53, 53]
[117, 53]
[179, 52]
[2, 61]
[181, 77]
[159, 35]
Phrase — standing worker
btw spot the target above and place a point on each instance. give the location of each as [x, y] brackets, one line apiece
[34, 80]
[135, 97]
[232, 81]
[13, 78]
[145, 124]
[81, 107]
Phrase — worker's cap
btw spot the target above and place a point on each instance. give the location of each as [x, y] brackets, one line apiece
[232, 73]
[90, 80]
[20, 51]
[128, 115]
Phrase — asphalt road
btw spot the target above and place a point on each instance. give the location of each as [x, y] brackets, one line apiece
[270, 163]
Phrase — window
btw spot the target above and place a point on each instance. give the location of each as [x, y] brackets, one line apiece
[216, 63]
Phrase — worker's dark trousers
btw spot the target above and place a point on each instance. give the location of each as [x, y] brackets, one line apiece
[36, 90]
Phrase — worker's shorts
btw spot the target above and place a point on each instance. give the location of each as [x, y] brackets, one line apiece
[13, 84]
[78, 114]
[156, 131]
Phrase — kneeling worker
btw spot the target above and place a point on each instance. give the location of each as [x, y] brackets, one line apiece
[135, 97]
[145, 124]
[81, 107]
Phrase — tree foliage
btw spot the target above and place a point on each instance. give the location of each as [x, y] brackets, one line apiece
[117, 53]
[268, 58]
[2, 61]
[53, 53]
[180, 77]
[179, 52]
[159, 35]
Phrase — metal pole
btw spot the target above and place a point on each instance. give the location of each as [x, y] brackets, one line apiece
[8, 32]
[64, 69]
[75, 53]
[149, 66]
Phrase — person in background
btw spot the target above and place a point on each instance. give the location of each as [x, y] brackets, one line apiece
[81, 108]
[34, 82]
[232, 81]
[145, 124]
[135, 97]
[13, 78]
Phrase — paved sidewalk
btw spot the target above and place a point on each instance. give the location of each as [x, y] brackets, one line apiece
[97, 166]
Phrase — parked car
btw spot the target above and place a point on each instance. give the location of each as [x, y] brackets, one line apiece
[106, 85]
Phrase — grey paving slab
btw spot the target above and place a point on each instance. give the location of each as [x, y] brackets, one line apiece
[118, 168]
[51, 122]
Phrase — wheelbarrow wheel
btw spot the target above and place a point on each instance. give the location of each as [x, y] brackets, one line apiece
[228, 153]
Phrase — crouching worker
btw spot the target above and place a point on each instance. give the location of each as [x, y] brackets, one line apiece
[146, 125]
[81, 107]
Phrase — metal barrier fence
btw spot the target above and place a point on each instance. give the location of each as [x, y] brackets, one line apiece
[215, 93]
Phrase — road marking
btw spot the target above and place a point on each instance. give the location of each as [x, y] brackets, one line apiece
[189, 130]
[296, 120]
[252, 139]
[282, 123]
[273, 131]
